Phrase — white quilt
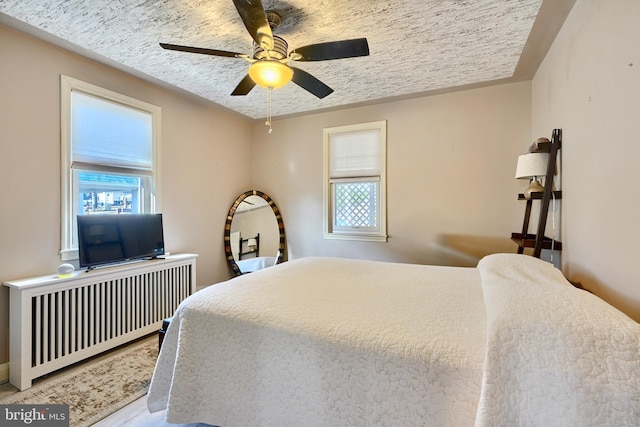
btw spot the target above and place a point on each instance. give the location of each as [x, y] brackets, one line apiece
[556, 355]
[254, 264]
[326, 341]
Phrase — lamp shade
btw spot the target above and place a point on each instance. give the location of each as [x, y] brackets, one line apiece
[531, 165]
[270, 74]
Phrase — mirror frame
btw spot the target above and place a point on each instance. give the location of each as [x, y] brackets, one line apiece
[227, 229]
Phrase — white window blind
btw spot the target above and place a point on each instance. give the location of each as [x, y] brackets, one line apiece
[355, 154]
[110, 134]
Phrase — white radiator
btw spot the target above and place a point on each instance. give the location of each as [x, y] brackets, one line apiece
[56, 322]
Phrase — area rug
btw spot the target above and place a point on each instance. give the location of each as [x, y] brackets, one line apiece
[99, 388]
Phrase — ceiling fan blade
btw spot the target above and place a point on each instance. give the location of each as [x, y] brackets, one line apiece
[244, 87]
[255, 19]
[333, 50]
[199, 50]
[309, 83]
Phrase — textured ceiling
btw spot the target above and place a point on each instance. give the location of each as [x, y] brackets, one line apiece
[415, 46]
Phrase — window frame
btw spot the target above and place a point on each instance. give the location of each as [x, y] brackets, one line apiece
[68, 211]
[365, 234]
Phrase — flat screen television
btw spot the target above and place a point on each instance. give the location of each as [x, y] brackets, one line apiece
[109, 239]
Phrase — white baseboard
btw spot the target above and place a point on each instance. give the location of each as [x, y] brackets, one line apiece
[4, 373]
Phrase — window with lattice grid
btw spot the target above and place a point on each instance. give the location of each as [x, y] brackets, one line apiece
[355, 204]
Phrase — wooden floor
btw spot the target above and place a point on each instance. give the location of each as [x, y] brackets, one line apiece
[136, 414]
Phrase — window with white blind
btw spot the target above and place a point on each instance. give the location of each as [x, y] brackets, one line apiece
[109, 156]
[355, 182]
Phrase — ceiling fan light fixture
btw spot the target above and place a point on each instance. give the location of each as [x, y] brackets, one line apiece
[270, 74]
[269, 68]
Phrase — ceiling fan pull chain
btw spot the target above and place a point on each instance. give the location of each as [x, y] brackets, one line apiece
[268, 122]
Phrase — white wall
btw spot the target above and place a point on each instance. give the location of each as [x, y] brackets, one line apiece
[202, 148]
[452, 196]
[589, 85]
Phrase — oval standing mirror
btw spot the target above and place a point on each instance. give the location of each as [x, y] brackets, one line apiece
[254, 233]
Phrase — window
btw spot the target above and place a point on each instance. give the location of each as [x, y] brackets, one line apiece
[110, 155]
[355, 182]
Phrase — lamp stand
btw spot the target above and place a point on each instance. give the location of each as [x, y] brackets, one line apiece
[534, 186]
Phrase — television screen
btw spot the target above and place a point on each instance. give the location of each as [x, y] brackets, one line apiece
[107, 239]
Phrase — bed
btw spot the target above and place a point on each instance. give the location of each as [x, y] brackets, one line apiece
[254, 264]
[329, 341]
[246, 253]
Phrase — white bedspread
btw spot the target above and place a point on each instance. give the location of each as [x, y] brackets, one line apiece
[324, 341]
[556, 355]
[254, 264]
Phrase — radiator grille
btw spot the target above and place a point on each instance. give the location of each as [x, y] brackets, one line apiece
[72, 320]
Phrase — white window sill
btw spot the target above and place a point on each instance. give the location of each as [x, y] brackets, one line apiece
[356, 237]
[69, 255]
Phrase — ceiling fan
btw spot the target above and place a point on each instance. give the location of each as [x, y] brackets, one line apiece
[270, 61]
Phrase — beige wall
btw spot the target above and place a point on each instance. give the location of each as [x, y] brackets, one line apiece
[589, 85]
[450, 169]
[202, 148]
